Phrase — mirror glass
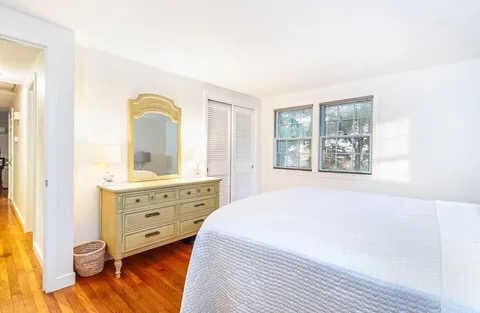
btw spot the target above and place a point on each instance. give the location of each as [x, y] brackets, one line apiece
[155, 145]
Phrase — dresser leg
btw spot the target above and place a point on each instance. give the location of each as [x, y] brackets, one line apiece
[118, 267]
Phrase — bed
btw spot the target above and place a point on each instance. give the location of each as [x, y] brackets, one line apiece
[320, 250]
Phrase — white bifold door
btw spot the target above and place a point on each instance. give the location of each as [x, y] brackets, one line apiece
[231, 150]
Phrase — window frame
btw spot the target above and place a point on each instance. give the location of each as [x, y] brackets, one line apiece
[321, 122]
[275, 139]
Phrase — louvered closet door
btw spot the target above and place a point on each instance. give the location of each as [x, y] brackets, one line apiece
[218, 150]
[243, 153]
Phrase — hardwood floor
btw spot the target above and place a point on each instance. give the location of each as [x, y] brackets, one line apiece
[151, 282]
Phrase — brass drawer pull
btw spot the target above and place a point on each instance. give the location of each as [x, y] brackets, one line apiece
[152, 214]
[155, 233]
[198, 221]
[152, 197]
[189, 192]
[137, 200]
[208, 189]
[165, 196]
[200, 204]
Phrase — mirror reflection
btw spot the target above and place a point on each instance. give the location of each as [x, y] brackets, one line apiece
[155, 139]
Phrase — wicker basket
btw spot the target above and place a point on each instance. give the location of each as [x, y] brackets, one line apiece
[89, 258]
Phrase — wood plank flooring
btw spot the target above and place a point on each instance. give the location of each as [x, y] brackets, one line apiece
[151, 282]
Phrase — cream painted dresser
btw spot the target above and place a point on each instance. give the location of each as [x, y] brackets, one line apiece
[139, 216]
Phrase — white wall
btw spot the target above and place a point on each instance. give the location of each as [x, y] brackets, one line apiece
[20, 156]
[30, 208]
[425, 139]
[104, 83]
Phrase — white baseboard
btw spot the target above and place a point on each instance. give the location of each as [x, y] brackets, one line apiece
[19, 216]
[38, 253]
[60, 282]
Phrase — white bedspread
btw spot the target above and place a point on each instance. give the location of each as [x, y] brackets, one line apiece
[416, 255]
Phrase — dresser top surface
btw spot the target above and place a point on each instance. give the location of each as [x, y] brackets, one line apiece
[136, 186]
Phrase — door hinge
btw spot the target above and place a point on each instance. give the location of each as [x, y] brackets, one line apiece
[46, 182]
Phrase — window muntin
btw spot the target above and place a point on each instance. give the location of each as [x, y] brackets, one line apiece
[293, 138]
[345, 136]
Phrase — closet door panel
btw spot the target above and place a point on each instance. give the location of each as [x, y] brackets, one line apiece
[243, 153]
[219, 146]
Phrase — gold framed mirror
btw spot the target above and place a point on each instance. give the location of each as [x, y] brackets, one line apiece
[154, 138]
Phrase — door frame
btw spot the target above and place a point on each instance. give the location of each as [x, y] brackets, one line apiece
[11, 153]
[33, 215]
[59, 64]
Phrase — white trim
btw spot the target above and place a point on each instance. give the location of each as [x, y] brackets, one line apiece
[31, 134]
[38, 253]
[19, 215]
[62, 281]
[59, 48]
[11, 153]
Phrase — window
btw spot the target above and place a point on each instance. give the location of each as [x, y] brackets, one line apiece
[293, 138]
[346, 136]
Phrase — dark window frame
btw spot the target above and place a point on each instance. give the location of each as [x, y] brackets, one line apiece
[276, 139]
[322, 136]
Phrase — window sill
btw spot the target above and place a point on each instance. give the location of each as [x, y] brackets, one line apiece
[293, 169]
[344, 172]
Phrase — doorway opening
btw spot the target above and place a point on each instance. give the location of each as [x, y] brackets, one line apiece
[22, 83]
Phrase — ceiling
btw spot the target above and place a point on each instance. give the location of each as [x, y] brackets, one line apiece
[270, 47]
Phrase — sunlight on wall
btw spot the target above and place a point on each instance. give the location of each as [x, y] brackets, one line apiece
[392, 156]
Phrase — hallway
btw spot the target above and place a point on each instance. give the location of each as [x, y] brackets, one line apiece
[151, 281]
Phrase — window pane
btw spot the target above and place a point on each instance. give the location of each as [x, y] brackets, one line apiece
[362, 163]
[346, 132]
[328, 153]
[280, 160]
[291, 158]
[281, 147]
[329, 145]
[331, 128]
[345, 145]
[287, 153]
[365, 163]
[364, 110]
[305, 121]
[361, 145]
[364, 126]
[283, 117]
[346, 128]
[293, 152]
[294, 124]
[328, 161]
[331, 113]
[346, 111]
[344, 162]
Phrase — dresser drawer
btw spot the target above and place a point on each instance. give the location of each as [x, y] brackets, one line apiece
[191, 226]
[149, 218]
[148, 237]
[138, 200]
[196, 191]
[163, 196]
[197, 206]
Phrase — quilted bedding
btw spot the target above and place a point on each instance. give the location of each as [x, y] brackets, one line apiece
[318, 250]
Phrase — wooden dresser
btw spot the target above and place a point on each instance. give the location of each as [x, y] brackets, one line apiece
[139, 216]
